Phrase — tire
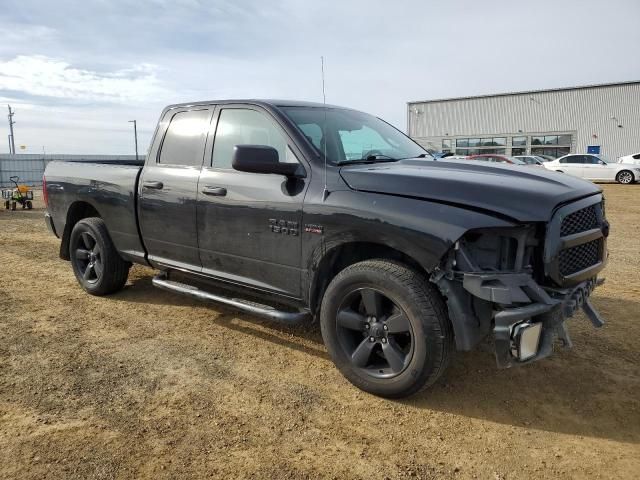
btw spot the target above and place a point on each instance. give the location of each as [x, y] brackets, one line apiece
[96, 263]
[29, 204]
[409, 342]
[13, 205]
[625, 177]
[7, 204]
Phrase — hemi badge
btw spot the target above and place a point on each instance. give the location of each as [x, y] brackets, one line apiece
[311, 228]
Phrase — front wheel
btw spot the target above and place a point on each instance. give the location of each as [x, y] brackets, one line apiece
[386, 328]
[625, 177]
[96, 263]
[29, 204]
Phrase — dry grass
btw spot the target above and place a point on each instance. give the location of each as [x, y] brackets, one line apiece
[148, 384]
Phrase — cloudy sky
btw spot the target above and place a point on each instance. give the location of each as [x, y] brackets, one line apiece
[77, 71]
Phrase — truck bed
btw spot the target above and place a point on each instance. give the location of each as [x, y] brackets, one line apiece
[108, 187]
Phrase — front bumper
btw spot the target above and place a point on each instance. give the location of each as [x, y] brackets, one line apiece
[547, 307]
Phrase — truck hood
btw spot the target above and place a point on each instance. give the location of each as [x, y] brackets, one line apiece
[519, 192]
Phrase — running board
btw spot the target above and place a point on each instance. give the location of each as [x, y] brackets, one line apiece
[290, 318]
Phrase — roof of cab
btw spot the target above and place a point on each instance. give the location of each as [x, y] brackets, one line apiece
[261, 102]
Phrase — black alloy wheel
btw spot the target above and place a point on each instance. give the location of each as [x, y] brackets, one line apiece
[386, 327]
[96, 263]
[88, 258]
[375, 333]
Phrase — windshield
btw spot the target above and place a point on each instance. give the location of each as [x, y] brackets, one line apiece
[528, 160]
[351, 136]
[517, 161]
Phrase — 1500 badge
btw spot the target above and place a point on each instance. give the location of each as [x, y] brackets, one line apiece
[284, 226]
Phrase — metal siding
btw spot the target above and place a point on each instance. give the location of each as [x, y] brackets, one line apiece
[30, 167]
[585, 111]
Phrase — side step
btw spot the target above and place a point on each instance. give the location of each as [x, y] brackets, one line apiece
[290, 318]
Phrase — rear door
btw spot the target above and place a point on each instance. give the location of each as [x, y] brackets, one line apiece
[168, 189]
[572, 164]
[249, 223]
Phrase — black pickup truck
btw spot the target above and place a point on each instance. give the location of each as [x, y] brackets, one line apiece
[295, 211]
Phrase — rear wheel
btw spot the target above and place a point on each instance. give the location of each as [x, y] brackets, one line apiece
[386, 328]
[7, 204]
[625, 177]
[96, 263]
[29, 204]
[13, 205]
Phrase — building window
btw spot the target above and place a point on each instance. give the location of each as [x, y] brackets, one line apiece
[553, 152]
[564, 140]
[476, 146]
[446, 145]
[552, 145]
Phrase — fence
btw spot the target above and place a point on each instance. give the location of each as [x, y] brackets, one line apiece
[31, 167]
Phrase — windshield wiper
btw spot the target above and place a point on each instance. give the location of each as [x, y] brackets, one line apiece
[422, 155]
[377, 158]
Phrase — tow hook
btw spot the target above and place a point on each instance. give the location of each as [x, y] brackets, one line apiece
[579, 298]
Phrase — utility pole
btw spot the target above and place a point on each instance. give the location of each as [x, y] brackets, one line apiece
[135, 135]
[12, 140]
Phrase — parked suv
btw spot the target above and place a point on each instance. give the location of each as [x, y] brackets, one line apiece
[595, 167]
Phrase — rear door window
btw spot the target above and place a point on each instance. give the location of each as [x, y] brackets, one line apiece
[184, 141]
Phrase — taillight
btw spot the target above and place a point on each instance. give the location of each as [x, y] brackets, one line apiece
[45, 195]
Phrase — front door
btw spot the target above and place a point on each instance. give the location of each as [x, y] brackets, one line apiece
[248, 223]
[597, 169]
[168, 189]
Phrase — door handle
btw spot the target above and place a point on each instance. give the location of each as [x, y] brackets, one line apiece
[154, 185]
[216, 191]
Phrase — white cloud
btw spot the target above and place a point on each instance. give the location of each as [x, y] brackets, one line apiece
[43, 76]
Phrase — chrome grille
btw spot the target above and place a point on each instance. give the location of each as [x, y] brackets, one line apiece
[580, 221]
[575, 259]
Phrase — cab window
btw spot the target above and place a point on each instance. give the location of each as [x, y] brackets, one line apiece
[237, 126]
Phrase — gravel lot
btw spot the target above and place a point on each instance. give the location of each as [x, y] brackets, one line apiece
[148, 384]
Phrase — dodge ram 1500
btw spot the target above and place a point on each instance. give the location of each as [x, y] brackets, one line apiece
[298, 211]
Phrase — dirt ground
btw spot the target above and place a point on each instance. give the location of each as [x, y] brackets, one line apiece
[148, 384]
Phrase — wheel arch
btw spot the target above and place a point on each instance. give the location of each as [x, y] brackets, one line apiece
[342, 255]
[77, 211]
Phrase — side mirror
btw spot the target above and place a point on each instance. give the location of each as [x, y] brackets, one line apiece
[261, 159]
[602, 162]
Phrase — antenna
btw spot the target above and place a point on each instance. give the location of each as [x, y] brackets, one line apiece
[325, 191]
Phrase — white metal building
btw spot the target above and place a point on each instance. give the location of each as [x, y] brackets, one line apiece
[595, 118]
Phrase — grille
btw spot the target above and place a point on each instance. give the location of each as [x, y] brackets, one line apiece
[579, 221]
[578, 258]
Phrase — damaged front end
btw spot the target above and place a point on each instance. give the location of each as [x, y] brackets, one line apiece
[522, 283]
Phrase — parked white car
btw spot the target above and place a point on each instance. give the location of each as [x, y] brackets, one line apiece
[630, 159]
[595, 167]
